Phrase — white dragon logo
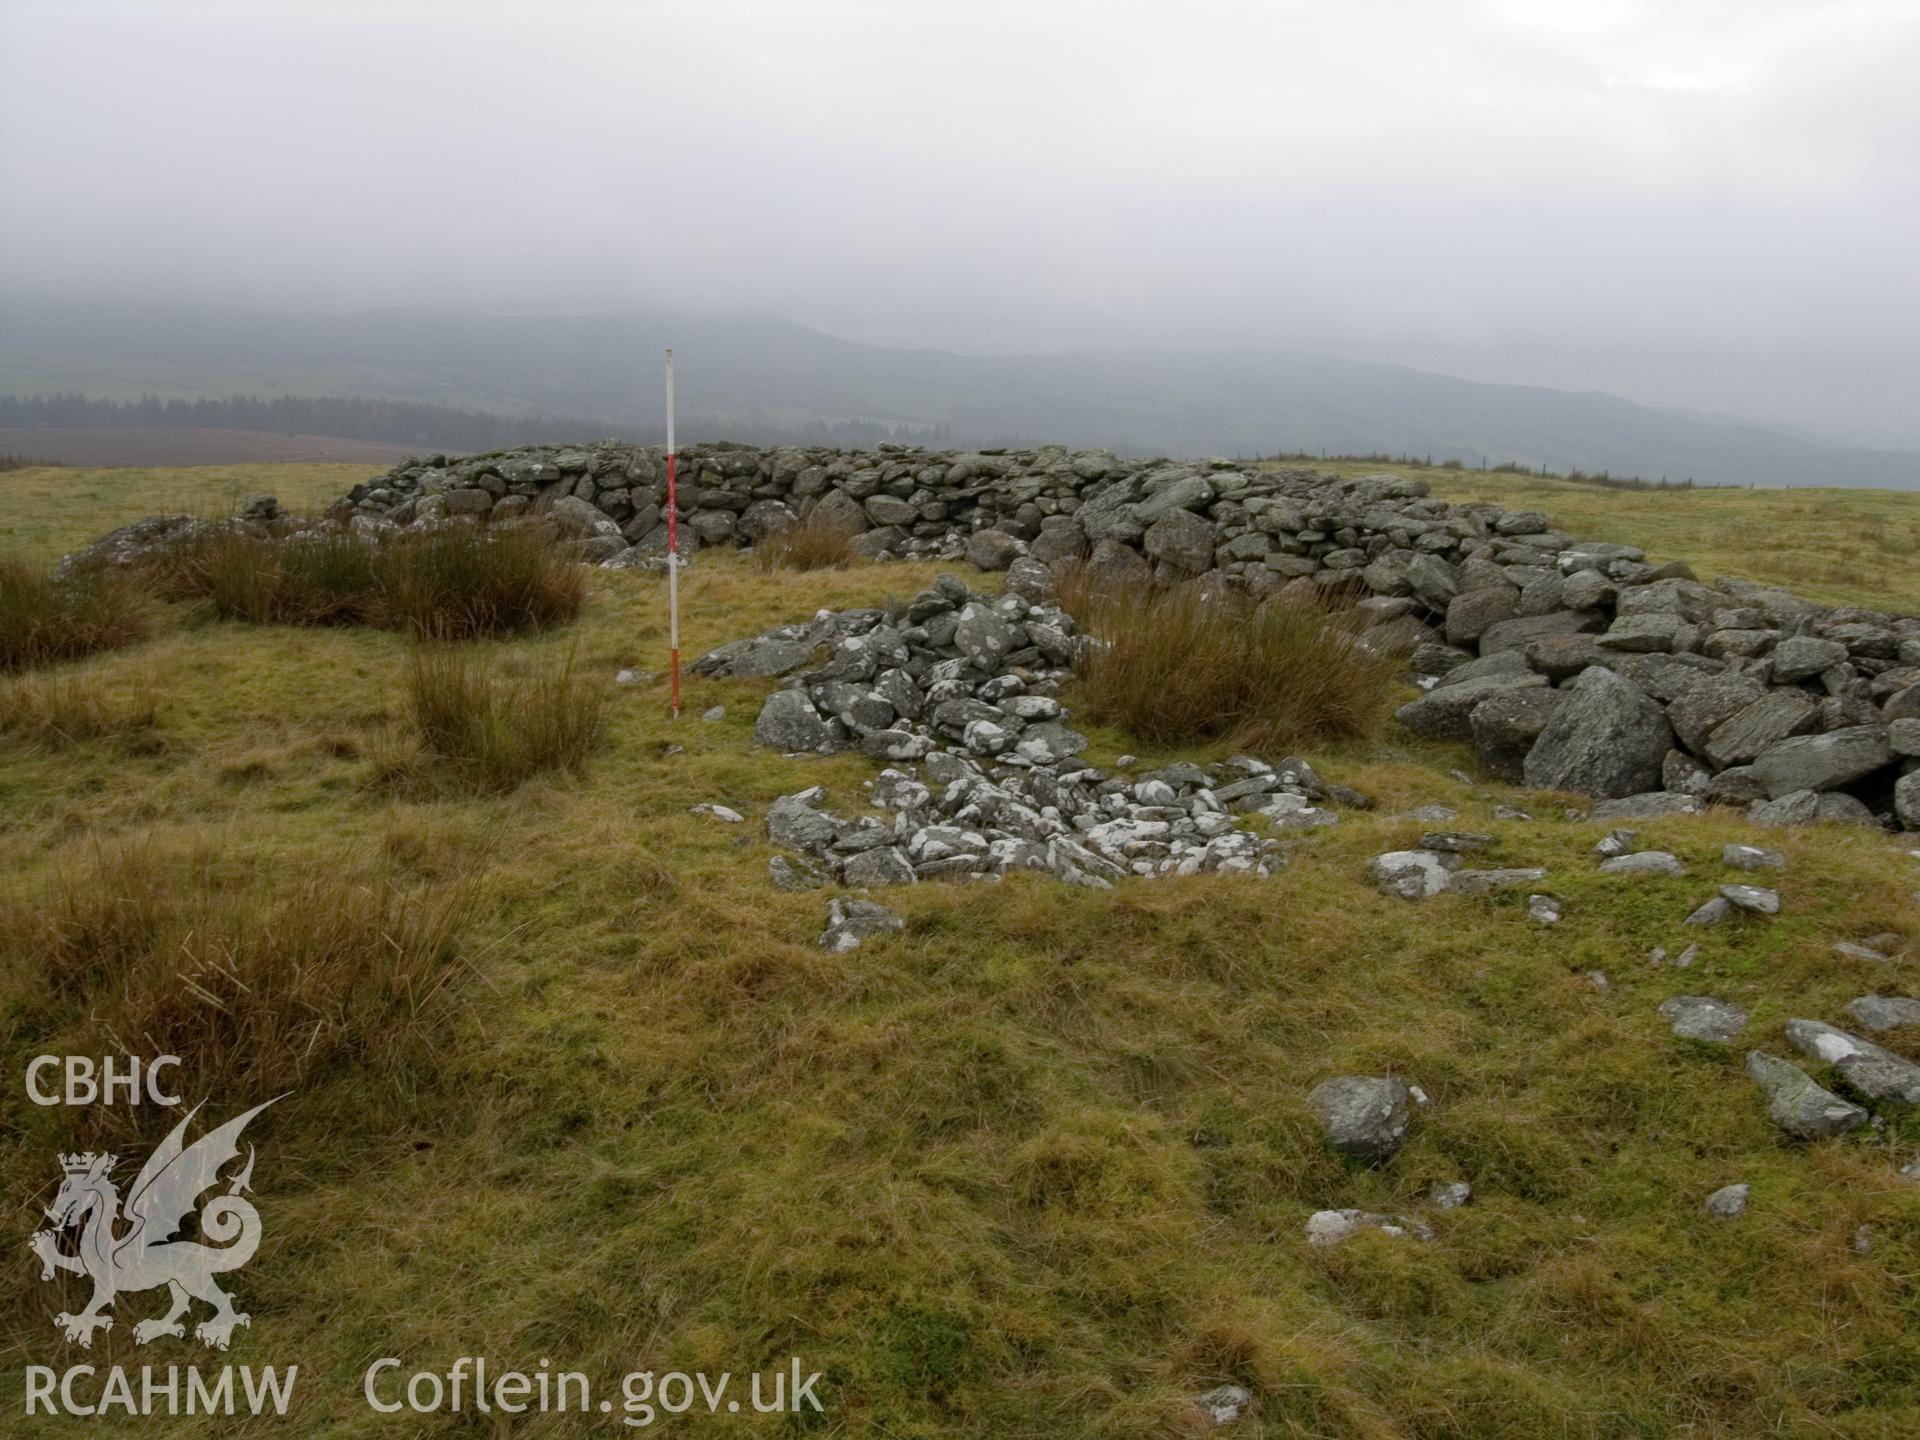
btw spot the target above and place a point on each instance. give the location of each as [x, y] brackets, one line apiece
[147, 1255]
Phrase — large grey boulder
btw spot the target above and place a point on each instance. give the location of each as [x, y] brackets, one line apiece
[1906, 801]
[1114, 568]
[1801, 657]
[1874, 1072]
[1433, 580]
[1518, 634]
[1183, 492]
[1823, 762]
[986, 549]
[1709, 704]
[796, 822]
[1754, 728]
[985, 637]
[1470, 613]
[1506, 724]
[1608, 739]
[883, 865]
[1181, 539]
[1365, 1116]
[788, 722]
[761, 658]
[1799, 1106]
[1445, 712]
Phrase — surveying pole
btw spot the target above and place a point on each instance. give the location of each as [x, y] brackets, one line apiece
[673, 548]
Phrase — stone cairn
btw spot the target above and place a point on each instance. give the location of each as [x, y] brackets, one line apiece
[1567, 664]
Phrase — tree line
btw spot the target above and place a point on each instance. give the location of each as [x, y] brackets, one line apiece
[440, 427]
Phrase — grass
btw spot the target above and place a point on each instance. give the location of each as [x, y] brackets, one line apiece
[256, 979]
[493, 731]
[814, 542]
[1038, 1165]
[63, 710]
[53, 510]
[43, 621]
[456, 582]
[1176, 667]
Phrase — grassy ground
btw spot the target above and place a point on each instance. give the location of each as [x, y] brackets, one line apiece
[1843, 547]
[1037, 1166]
[49, 511]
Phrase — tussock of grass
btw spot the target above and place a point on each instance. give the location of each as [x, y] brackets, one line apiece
[58, 711]
[456, 582]
[42, 620]
[256, 980]
[1178, 666]
[490, 730]
[814, 542]
[451, 583]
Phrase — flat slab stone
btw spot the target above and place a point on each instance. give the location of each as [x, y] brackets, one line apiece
[1701, 1017]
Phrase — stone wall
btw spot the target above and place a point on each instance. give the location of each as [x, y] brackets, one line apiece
[1567, 664]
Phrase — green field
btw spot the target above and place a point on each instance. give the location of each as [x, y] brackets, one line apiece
[1040, 1165]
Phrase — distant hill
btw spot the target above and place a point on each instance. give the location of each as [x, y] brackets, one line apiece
[760, 373]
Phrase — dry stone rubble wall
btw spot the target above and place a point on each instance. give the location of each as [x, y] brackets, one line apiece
[1567, 664]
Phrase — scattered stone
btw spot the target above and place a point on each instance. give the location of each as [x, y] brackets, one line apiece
[1754, 899]
[1481, 882]
[849, 922]
[719, 812]
[1598, 979]
[1700, 1017]
[1545, 910]
[1884, 1012]
[1223, 1404]
[1797, 1104]
[1616, 842]
[1410, 874]
[790, 874]
[1449, 1194]
[1643, 862]
[1850, 950]
[1456, 842]
[1874, 1072]
[714, 714]
[1653, 805]
[1729, 1202]
[1711, 913]
[1684, 960]
[1365, 1116]
[885, 865]
[1752, 857]
[1330, 1227]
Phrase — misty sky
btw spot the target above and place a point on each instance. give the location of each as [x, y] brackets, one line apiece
[1691, 203]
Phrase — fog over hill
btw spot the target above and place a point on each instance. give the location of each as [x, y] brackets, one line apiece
[745, 369]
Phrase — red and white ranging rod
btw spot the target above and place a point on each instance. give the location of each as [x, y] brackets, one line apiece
[673, 548]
